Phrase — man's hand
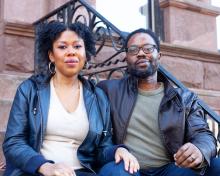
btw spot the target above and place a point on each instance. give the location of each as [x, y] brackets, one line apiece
[131, 163]
[57, 169]
[188, 156]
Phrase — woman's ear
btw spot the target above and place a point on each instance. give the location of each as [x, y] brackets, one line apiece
[50, 54]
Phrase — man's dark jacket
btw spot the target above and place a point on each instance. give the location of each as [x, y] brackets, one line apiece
[28, 120]
[181, 119]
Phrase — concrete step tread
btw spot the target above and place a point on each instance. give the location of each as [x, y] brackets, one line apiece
[9, 84]
[5, 107]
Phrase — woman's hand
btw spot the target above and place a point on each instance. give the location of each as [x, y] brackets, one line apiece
[57, 169]
[2, 166]
[131, 163]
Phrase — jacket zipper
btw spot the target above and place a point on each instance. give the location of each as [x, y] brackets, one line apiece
[162, 136]
[84, 140]
[35, 114]
[41, 125]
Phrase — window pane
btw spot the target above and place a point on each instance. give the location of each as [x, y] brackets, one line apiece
[217, 3]
[127, 15]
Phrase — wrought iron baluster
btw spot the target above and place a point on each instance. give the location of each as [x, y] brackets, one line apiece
[105, 33]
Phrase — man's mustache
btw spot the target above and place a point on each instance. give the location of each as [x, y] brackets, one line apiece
[143, 59]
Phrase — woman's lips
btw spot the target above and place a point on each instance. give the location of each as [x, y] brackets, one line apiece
[72, 61]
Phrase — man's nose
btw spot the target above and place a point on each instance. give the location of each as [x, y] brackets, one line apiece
[141, 52]
[142, 55]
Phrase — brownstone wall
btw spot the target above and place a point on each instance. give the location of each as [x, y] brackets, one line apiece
[190, 23]
[189, 50]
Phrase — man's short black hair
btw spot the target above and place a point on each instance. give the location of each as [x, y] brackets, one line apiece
[147, 31]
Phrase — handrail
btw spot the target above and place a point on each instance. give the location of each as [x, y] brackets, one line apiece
[107, 34]
[204, 106]
[92, 10]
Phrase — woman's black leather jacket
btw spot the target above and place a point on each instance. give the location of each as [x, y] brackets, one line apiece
[28, 120]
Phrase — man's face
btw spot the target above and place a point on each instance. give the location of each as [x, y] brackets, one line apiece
[142, 56]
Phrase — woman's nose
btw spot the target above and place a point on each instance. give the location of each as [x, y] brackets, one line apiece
[71, 50]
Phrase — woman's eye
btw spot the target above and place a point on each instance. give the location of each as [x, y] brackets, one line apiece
[62, 47]
[77, 46]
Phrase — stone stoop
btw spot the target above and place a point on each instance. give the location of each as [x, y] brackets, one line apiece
[8, 86]
[5, 107]
[9, 83]
[2, 159]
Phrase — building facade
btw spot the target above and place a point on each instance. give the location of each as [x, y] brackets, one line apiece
[189, 50]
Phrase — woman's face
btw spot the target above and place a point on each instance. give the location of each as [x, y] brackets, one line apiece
[68, 54]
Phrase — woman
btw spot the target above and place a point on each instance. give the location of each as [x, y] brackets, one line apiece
[56, 125]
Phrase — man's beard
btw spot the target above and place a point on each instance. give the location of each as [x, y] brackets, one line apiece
[142, 73]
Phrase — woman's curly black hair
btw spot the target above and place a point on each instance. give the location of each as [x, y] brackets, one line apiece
[50, 32]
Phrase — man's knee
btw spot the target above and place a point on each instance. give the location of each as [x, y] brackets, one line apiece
[113, 169]
[214, 168]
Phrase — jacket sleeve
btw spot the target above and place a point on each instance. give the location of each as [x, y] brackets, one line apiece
[16, 149]
[198, 131]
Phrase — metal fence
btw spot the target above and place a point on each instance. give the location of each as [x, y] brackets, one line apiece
[109, 36]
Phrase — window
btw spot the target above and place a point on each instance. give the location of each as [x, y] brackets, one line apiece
[217, 3]
[125, 15]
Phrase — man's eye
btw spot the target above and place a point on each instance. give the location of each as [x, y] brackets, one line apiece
[149, 49]
[132, 49]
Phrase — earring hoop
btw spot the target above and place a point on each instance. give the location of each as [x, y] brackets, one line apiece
[87, 65]
[51, 68]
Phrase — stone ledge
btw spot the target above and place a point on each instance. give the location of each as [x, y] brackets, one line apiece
[19, 29]
[2, 159]
[5, 107]
[199, 7]
[203, 92]
[190, 53]
[211, 97]
[9, 83]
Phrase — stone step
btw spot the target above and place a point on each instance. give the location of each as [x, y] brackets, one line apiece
[8, 86]
[2, 158]
[9, 83]
[5, 107]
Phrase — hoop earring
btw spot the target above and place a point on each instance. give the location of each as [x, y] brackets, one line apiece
[51, 68]
[87, 65]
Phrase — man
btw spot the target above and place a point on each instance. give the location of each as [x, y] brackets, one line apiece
[163, 126]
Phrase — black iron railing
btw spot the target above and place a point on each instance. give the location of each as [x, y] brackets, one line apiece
[105, 32]
[107, 35]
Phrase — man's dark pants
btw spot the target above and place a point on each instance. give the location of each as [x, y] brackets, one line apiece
[167, 170]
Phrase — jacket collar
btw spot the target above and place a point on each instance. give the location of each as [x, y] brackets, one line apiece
[169, 90]
[42, 83]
